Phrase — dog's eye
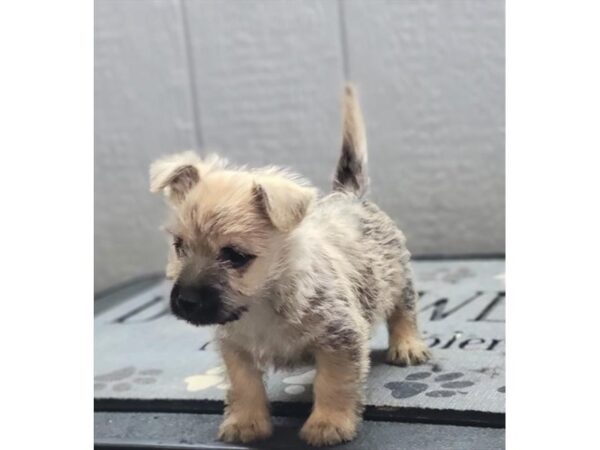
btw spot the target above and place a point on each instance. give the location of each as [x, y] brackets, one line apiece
[235, 257]
[178, 244]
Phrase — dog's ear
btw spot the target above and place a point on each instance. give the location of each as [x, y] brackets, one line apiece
[284, 201]
[175, 175]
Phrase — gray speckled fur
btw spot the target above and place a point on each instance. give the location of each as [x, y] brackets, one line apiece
[345, 267]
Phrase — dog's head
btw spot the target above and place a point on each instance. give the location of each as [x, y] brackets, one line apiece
[228, 227]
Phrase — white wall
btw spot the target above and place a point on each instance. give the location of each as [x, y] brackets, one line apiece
[259, 81]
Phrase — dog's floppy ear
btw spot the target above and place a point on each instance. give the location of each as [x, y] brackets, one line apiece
[284, 201]
[175, 175]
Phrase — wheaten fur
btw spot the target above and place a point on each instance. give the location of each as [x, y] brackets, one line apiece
[326, 270]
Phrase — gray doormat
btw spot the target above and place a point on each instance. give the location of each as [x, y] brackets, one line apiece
[196, 431]
[145, 359]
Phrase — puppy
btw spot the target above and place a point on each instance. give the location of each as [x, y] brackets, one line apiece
[290, 279]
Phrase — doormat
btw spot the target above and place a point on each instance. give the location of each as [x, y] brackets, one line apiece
[145, 359]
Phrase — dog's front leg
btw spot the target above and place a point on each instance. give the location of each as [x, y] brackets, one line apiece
[247, 416]
[337, 398]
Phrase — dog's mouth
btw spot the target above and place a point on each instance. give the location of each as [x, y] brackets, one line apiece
[233, 315]
[221, 318]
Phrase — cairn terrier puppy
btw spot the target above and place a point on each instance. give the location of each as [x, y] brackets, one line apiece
[290, 279]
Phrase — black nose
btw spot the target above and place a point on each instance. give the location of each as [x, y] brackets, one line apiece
[195, 301]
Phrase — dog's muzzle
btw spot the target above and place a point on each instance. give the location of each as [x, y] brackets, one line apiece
[200, 305]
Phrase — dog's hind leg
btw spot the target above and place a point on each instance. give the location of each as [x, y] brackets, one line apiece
[406, 346]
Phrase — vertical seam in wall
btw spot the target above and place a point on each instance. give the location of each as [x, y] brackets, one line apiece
[191, 75]
[343, 40]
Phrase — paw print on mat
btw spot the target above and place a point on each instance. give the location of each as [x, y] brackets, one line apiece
[121, 380]
[211, 377]
[450, 383]
[296, 384]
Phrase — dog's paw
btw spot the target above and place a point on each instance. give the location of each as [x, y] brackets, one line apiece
[408, 353]
[246, 429]
[320, 431]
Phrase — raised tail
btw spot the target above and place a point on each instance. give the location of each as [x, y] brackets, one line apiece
[351, 171]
